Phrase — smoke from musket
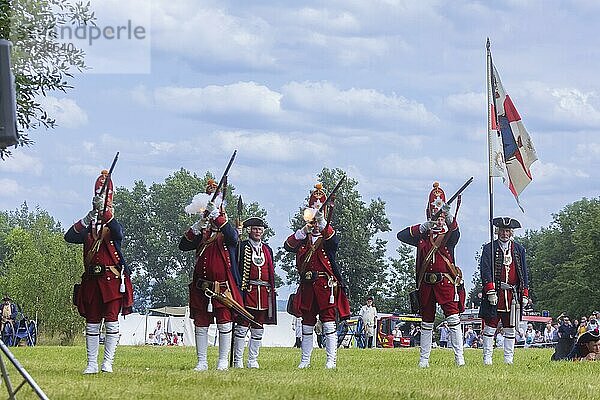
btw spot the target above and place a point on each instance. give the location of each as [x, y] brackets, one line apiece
[199, 202]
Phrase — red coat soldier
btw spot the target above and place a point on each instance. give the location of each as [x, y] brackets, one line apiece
[258, 289]
[105, 288]
[439, 280]
[215, 240]
[505, 284]
[320, 291]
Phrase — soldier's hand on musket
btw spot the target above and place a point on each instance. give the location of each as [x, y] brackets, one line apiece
[426, 226]
[240, 229]
[202, 223]
[212, 210]
[492, 297]
[89, 217]
[320, 220]
[307, 228]
[98, 202]
[446, 210]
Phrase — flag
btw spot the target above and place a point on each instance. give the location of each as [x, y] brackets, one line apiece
[511, 136]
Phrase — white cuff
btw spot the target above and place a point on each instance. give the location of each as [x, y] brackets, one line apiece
[300, 234]
[214, 213]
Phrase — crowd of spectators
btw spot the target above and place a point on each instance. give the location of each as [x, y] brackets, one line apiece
[562, 334]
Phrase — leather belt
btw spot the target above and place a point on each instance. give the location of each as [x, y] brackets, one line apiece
[204, 284]
[506, 286]
[311, 276]
[99, 269]
[258, 282]
[433, 278]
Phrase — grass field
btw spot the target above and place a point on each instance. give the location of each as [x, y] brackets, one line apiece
[159, 373]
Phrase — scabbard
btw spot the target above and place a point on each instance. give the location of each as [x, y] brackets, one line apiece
[270, 300]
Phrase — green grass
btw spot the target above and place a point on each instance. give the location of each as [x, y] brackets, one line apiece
[155, 372]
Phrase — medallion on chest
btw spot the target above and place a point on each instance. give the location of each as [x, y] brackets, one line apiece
[258, 256]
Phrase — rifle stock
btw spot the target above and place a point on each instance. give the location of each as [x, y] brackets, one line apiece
[230, 303]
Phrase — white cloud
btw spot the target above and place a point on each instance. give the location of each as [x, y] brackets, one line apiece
[423, 167]
[211, 36]
[326, 19]
[237, 98]
[470, 103]
[84, 169]
[66, 112]
[9, 187]
[588, 150]
[547, 172]
[566, 106]
[325, 98]
[272, 146]
[22, 163]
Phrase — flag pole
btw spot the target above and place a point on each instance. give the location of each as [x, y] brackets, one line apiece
[491, 109]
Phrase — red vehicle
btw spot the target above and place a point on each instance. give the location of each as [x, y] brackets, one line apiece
[386, 324]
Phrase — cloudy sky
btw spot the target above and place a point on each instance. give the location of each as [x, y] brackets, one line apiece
[391, 91]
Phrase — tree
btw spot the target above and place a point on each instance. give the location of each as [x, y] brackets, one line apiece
[400, 281]
[39, 270]
[40, 63]
[563, 260]
[154, 221]
[474, 296]
[361, 255]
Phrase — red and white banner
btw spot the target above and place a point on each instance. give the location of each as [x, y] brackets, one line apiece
[508, 133]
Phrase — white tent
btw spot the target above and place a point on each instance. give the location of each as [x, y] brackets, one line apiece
[135, 328]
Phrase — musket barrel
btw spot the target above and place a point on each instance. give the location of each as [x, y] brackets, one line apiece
[454, 196]
[333, 192]
[224, 175]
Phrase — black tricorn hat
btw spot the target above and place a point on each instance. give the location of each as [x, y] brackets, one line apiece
[589, 336]
[506, 223]
[6, 298]
[255, 221]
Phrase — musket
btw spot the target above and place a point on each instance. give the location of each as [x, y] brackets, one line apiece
[441, 239]
[98, 230]
[330, 199]
[222, 181]
[240, 207]
[104, 185]
[454, 196]
[331, 196]
[230, 303]
[239, 257]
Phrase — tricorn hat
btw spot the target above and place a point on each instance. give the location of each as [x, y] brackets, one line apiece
[254, 221]
[437, 198]
[6, 298]
[506, 223]
[589, 336]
